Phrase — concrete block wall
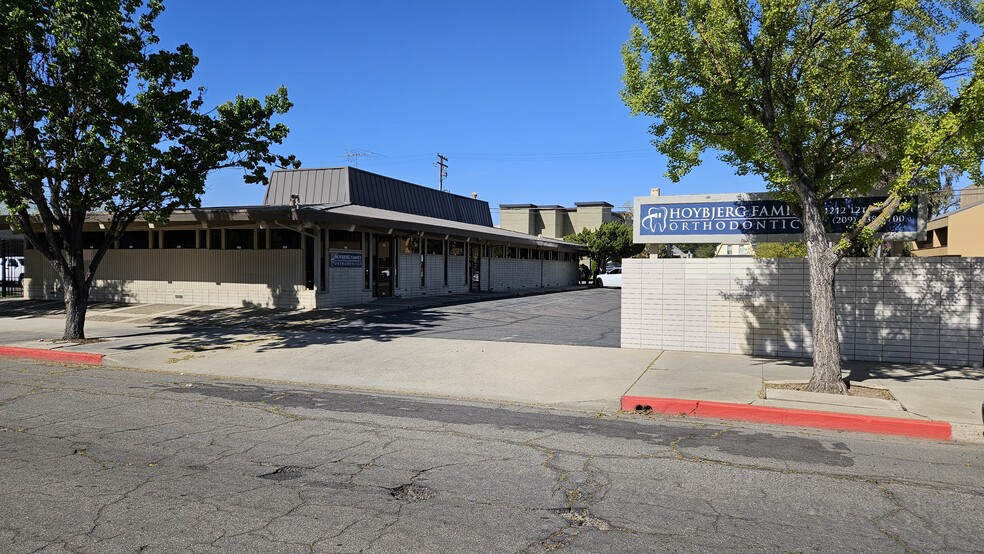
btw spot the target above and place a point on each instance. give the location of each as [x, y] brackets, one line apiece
[513, 274]
[484, 273]
[408, 275]
[559, 273]
[235, 278]
[346, 285]
[457, 274]
[910, 310]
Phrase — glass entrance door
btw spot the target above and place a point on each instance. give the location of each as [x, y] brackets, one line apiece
[383, 266]
[474, 267]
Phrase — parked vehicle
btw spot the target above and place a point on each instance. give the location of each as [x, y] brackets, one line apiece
[611, 279]
[12, 269]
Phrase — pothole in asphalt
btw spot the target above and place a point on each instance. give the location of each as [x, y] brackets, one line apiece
[284, 473]
[581, 518]
[412, 493]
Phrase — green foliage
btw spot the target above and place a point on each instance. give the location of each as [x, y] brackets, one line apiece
[96, 117]
[699, 250]
[780, 250]
[820, 98]
[611, 241]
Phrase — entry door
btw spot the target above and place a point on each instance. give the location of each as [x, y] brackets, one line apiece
[474, 267]
[383, 266]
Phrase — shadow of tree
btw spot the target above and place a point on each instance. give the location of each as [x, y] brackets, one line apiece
[774, 307]
[898, 318]
[274, 329]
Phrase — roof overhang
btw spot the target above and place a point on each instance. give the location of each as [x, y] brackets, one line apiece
[375, 219]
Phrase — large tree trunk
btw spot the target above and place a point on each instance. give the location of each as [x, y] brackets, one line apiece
[76, 304]
[822, 261]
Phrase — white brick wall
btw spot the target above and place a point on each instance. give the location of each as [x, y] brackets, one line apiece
[275, 278]
[346, 285]
[268, 278]
[913, 310]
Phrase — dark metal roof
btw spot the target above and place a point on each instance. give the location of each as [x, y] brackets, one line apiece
[348, 184]
[589, 204]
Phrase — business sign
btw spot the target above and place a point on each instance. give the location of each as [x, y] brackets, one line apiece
[345, 259]
[759, 218]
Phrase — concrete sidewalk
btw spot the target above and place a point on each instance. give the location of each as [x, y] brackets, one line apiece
[576, 377]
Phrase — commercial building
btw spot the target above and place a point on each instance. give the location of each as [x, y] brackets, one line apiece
[322, 237]
[957, 233]
[556, 221]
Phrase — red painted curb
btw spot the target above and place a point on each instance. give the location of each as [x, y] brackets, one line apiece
[52, 355]
[937, 430]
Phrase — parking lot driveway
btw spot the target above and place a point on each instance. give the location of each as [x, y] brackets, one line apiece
[582, 318]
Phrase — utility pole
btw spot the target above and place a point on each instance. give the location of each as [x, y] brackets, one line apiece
[444, 169]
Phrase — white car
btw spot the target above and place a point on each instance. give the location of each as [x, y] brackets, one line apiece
[12, 270]
[611, 279]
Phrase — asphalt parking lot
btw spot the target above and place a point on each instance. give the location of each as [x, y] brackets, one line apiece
[588, 317]
[585, 317]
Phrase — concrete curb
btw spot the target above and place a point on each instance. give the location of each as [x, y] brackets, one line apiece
[935, 430]
[52, 355]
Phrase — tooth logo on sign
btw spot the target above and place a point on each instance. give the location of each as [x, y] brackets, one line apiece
[655, 217]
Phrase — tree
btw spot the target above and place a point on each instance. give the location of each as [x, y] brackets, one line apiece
[820, 98]
[611, 241]
[96, 118]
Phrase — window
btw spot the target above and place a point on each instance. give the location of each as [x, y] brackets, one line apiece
[284, 238]
[553, 255]
[534, 254]
[179, 239]
[498, 251]
[510, 251]
[239, 239]
[435, 247]
[93, 239]
[567, 256]
[344, 240]
[134, 239]
[456, 248]
[410, 245]
[524, 253]
[729, 250]
[215, 236]
[261, 237]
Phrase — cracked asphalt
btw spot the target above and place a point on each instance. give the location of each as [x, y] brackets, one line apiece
[98, 460]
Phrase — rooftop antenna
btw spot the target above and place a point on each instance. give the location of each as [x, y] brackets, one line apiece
[354, 154]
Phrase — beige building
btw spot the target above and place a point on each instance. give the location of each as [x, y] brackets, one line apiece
[555, 221]
[958, 233]
[744, 250]
[322, 237]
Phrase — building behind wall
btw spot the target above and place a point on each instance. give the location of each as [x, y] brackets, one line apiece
[957, 233]
[322, 237]
[556, 221]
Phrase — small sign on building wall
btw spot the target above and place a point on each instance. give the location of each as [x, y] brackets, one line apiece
[757, 217]
[345, 259]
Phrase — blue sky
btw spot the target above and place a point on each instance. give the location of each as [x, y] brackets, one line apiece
[522, 97]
